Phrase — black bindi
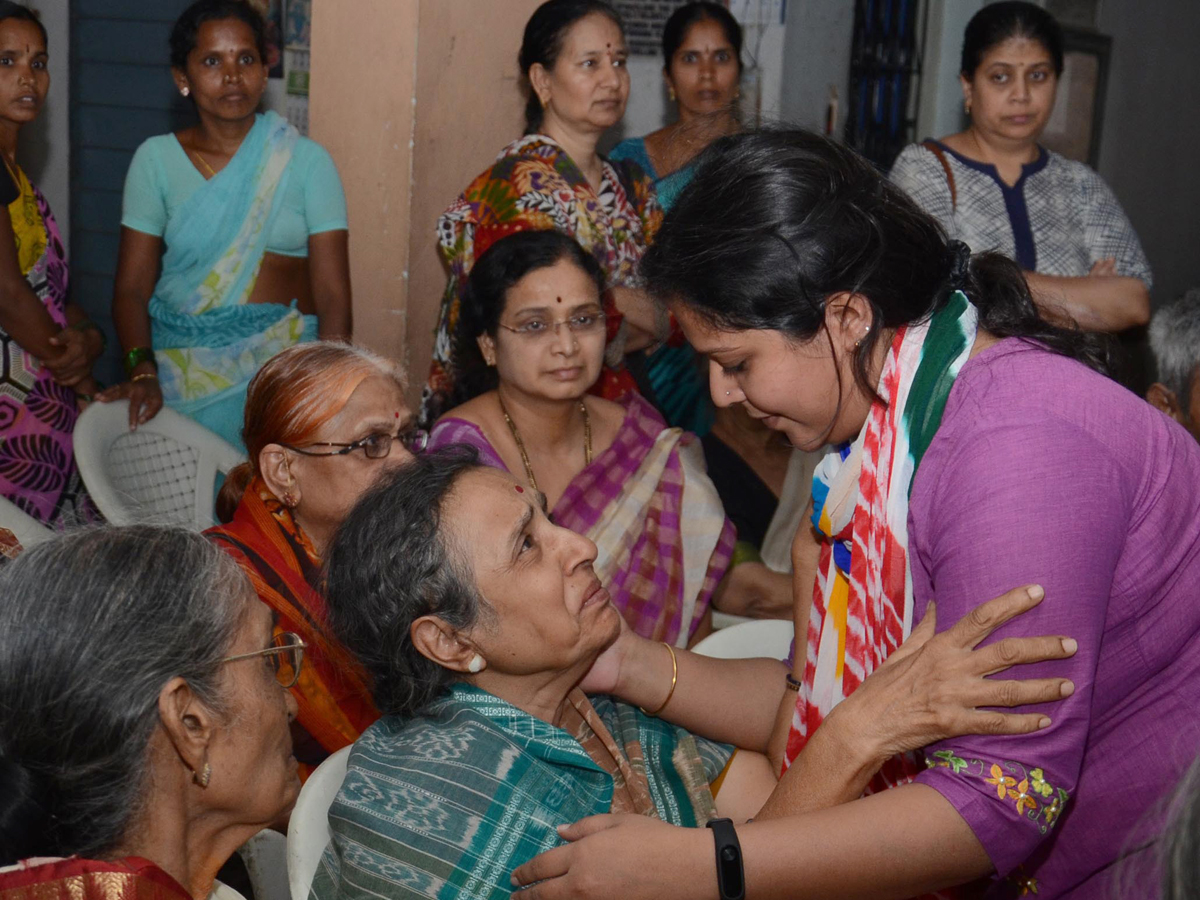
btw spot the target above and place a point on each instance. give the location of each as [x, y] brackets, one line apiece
[558, 299]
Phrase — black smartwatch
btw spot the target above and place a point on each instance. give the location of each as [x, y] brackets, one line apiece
[731, 877]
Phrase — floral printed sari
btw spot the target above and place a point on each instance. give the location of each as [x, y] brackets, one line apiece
[209, 341]
[535, 186]
[37, 414]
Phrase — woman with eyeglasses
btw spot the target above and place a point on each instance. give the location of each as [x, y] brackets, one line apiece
[322, 421]
[529, 345]
[572, 61]
[143, 717]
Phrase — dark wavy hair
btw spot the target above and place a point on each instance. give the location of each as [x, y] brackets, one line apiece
[187, 26]
[543, 40]
[998, 22]
[688, 15]
[775, 222]
[391, 563]
[504, 264]
[10, 10]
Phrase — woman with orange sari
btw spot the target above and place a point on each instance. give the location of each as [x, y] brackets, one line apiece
[322, 421]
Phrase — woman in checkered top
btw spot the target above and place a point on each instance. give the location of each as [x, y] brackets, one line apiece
[994, 187]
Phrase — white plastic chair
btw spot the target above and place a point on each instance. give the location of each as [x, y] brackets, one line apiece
[265, 856]
[760, 637]
[29, 531]
[164, 473]
[308, 831]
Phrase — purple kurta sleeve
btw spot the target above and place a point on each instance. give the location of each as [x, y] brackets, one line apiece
[1008, 497]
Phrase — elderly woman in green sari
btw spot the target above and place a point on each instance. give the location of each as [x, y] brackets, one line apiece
[233, 234]
[511, 693]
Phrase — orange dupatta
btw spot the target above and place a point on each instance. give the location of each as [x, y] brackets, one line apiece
[335, 703]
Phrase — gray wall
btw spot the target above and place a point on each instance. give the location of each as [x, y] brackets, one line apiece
[45, 152]
[816, 54]
[1150, 148]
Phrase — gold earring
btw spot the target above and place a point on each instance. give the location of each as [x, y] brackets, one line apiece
[201, 778]
[967, 107]
[671, 93]
[288, 500]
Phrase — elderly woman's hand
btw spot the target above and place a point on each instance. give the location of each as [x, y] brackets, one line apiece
[935, 686]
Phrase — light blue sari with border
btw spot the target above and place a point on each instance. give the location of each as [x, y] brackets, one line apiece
[208, 340]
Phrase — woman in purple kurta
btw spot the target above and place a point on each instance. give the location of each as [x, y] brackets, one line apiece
[1044, 471]
[979, 448]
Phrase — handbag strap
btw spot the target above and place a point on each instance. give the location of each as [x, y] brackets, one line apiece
[932, 147]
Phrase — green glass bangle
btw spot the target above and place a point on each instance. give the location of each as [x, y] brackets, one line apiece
[137, 356]
[744, 551]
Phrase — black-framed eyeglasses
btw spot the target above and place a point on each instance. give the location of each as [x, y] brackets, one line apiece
[375, 446]
[286, 654]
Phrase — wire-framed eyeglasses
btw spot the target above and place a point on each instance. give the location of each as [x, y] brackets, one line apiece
[579, 324]
[286, 655]
[376, 445]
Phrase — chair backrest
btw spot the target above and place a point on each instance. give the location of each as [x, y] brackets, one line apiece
[164, 473]
[762, 637]
[265, 856]
[308, 830]
[29, 531]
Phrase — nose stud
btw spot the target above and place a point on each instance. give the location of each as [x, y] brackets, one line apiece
[727, 393]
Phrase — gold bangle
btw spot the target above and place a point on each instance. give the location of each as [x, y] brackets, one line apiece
[674, 681]
[143, 377]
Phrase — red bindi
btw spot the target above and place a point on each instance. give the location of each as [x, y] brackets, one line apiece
[559, 299]
[518, 489]
[397, 415]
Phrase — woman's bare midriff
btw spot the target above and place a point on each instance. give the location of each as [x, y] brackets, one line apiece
[282, 279]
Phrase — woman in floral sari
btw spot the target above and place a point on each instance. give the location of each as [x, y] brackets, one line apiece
[47, 346]
[610, 470]
[322, 421]
[253, 220]
[573, 55]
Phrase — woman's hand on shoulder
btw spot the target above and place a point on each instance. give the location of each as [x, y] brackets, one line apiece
[935, 686]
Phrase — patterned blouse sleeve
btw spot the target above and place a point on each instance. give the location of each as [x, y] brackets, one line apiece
[1107, 231]
[919, 174]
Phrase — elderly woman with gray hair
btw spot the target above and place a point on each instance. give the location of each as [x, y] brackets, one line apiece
[1175, 343]
[144, 720]
[485, 629]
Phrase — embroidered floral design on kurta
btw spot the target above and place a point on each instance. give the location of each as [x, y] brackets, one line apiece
[1034, 797]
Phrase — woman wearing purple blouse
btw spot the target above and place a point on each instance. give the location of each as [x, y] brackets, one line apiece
[977, 448]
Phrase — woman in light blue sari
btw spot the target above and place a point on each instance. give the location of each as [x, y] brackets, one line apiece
[233, 238]
[702, 45]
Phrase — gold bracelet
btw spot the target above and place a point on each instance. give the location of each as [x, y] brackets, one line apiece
[674, 681]
[792, 683]
[144, 376]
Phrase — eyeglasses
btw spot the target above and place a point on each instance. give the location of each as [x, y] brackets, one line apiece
[375, 446]
[541, 329]
[286, 653]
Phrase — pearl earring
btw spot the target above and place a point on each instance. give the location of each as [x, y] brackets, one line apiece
[475, 666]
[185, 91]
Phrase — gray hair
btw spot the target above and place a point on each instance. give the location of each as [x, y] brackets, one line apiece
[1175, 342]
[391, 563]
[1180, 851]
[92, 626]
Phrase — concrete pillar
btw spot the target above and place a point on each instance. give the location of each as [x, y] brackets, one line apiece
[413, 98]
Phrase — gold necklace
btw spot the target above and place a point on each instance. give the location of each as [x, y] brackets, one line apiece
[204, 162]
[587, 439]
